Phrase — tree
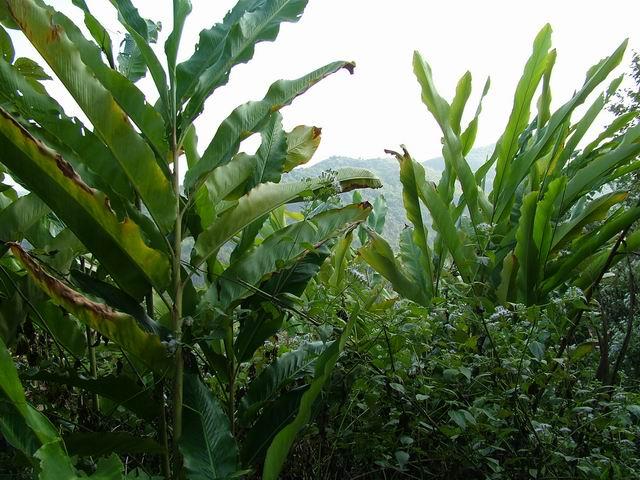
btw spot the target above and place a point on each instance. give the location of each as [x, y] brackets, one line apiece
[146, 271]
[625, 105]
[629, 99]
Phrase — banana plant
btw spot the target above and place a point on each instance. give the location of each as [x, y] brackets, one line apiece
[147, 218]
[549, 217]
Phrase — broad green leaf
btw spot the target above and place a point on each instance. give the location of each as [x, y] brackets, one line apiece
[468, 137]
[220, 185]
[10, 384]
[271, 154]
[181, 10]
[580, 129]
[270, 159]
[119, 327]
[15, 430]
[537, 349]
[20, 216]
[582, 351]
[544, 102]
[207, 444]
[411, 174]
[444, 225]
[118, 245]
[6, 46]
[507, 285]
[54, 464]
[267, 385]
[545, 223]
[458, 417]
[110, 121]
[595, 173]
[259, 25]
[249, 118]
[208, 50]
[463, 92]
[272, 296]
[273, 418]
[378, 216]
[302, 143]
[591, 268]
[437, 105]
[88, 155]
[144, 33]
[67, 330]
[526, 251]
[131, 62]
[589, 246]
[97, 31]
[523, 163]
[190, 145]
[30, 69]
[109, 468]
[618, 124]
[452, 149]
[284, 246]
[125, 93]
[379, 255]
[340, 261]
[519, 118]
[595, 211]
[281, 444]
[6, 18]
[266, 197]
[118, 300]
[413, 259]
[63, 249]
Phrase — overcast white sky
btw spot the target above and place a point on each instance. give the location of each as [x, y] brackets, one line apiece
[379, 107]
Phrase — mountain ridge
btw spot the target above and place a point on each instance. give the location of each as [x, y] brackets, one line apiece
[386, 168]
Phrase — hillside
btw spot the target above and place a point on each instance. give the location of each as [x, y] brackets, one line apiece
[387, 171]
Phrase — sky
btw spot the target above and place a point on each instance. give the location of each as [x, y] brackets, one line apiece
[379, 106]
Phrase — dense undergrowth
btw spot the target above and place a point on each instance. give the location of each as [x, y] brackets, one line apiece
[465, 391]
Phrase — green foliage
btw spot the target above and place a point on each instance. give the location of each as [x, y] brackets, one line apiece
[509, 243]
[467, 390]
[219, 330]
[208, 446]
[507, 370]
[117, 288]
[281, 444]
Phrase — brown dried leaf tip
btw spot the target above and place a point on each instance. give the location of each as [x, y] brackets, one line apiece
[57, 288]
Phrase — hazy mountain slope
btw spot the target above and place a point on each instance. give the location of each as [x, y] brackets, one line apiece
[388, 172]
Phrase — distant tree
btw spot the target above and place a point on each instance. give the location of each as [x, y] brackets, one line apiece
[623, 103]
[628, 99]
[617, 298]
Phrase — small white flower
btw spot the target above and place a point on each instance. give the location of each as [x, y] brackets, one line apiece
[171, 346]
[484, 228]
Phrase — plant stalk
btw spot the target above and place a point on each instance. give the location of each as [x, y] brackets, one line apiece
[176, 314]
[231, 398]
[627, 336]
[163, 436]
[92, 364]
